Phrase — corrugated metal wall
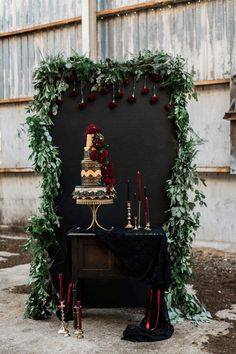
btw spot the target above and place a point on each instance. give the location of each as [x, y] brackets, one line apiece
[203, 32]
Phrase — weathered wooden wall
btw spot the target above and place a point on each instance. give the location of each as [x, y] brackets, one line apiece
[203, 32]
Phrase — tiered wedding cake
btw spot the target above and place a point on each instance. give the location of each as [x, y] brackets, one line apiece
[96, 171]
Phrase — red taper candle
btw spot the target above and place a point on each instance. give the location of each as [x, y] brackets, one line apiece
[61, 286]
[139, 185]
[69, 297]
[79, 315]
[147, 210]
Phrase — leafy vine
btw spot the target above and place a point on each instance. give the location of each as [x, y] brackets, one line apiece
[50, 81]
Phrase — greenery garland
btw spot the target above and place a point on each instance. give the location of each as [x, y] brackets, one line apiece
[50, 81]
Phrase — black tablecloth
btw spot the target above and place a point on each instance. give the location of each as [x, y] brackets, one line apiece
[144, 255]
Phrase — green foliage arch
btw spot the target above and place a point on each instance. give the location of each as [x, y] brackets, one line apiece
[50, 81]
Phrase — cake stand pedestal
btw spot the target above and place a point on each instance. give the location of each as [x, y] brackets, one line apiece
[94, 206]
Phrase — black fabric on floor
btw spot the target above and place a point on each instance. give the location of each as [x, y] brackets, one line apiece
[144, 255]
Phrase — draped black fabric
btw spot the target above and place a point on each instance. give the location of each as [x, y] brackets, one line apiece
[144, 255]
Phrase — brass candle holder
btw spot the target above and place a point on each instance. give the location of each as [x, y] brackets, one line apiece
[79, 333]
[63, 329]
[139, 214]
[135, 223]
[129, 224]
[148, 226]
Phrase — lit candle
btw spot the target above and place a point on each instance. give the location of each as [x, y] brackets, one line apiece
[128, 190]
[79, 315]
[61, 286]
[147, 210]
[139, 185]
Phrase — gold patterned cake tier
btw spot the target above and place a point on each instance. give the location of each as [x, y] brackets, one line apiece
[93, 193]
[90, 173]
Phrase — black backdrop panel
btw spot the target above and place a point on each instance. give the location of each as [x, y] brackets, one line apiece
[140, 137]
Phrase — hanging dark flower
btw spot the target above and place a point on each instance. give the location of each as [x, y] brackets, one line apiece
[59, 100]
[154, 99]
[156, 78]
[131, 99]
[112, 104]
[82, 105]
[119, 94]
[168, 107]
[71, 77]
[145, 90]
[104, 90]
[73, 93]
[92, 97]
[126, 82]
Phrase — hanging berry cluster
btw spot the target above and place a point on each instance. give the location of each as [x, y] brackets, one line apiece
[98, 152]
[118, 93]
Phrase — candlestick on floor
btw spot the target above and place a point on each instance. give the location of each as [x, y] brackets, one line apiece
[148, 226]
[129, 225]
[135, 223]
[63, 329]
[79, 331]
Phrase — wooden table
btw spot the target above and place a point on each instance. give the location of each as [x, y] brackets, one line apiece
[91, 259]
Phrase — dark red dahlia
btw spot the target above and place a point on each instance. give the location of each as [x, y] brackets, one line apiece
[126, 82]
[82, 105]
[154, 99]
[92, 97]
[168, 107]
[94, 155]
[145, 90]
[119, 94]
[102, 156]
[112, 105]
[92, 129]
[73, 93]
[131, 99]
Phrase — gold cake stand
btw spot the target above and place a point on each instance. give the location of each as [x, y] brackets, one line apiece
[94, 205]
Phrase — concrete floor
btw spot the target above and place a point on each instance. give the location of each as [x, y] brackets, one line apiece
[102, 328]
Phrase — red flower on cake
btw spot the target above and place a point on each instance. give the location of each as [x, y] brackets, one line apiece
[145, 90]
[92, 129]
[102, 156]
[154, 99]
[94, 155]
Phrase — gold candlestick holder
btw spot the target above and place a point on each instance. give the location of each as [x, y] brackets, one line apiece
[135, 223]
[63, 329]
[148, 226]
[139, 214]
[129, 225]
[79, 333]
